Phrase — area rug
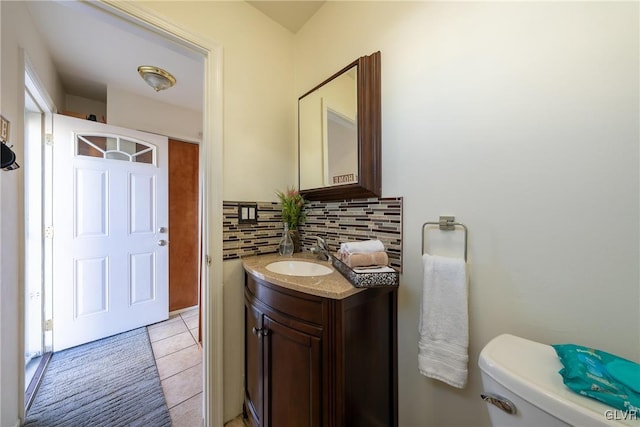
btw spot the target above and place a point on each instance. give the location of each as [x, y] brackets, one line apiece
[112, 382]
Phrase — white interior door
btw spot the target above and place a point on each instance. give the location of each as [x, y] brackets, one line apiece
[110, 216]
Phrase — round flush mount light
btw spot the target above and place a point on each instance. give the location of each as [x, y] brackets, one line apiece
[155, 77]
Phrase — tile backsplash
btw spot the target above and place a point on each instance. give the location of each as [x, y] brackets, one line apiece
[250, 239]
[351, 220]
[336, 222]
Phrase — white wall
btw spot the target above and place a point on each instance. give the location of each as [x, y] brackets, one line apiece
[137, 112]
[17, 32]
[522, 120]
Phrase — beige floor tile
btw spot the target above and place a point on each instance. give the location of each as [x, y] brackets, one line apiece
[194, 333]
[167, 330]
[192, 322]
[176, 362]
[188, 413]
[164, 322]
[190, 313]
[182, 386]
[172, 344]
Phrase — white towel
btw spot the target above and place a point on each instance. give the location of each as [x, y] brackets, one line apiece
[363, 247]
[444, 321]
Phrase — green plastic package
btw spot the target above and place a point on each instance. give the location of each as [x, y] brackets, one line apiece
[601, 375]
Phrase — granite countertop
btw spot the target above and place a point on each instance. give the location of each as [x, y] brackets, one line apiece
[333, 285]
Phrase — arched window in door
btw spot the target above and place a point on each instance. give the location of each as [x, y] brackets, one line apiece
[115, 147]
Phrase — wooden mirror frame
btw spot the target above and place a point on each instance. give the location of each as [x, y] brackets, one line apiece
[369, 136]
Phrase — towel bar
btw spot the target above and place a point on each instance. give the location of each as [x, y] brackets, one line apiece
[447, 223]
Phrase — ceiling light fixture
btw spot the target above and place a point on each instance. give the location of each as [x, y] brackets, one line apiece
[157, 78]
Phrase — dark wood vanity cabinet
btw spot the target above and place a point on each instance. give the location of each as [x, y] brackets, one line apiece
[315, 361]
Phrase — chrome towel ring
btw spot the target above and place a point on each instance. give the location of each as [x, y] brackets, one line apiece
[448, 223]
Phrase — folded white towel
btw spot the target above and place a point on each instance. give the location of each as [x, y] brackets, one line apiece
[374, 270]
[363, 247]
[444, 321]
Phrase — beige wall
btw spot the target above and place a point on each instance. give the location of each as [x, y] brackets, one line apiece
[19, 39]
[137, 112]
[85, 107]
[259, 106]
[522, 120]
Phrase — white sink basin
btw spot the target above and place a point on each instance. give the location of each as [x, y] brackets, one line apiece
[299, 268]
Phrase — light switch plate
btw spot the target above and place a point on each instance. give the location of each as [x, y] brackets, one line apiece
[247, 213]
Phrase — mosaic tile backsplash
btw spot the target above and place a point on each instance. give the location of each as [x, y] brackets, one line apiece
[336, 222]
[250, 239]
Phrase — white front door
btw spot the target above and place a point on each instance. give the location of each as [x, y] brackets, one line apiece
[110, 216]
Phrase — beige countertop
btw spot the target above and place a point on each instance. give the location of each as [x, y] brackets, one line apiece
[332, 285]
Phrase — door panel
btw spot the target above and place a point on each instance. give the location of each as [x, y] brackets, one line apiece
[90, 202]
[109, 201]
[91, 286]
[253, 364]
[142, 268]
[293, 371]
[142, 191]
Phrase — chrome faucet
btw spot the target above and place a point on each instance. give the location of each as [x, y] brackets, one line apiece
[321, 249]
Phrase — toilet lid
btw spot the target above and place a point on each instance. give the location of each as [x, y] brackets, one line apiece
[530, 370]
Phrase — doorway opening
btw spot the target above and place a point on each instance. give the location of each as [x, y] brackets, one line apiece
[37, 339]
[210, 176]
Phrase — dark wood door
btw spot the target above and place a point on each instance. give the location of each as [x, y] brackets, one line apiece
[184, 249]
[293, 368]
[253, 337]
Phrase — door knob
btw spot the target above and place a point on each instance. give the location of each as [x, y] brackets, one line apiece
[163, 242]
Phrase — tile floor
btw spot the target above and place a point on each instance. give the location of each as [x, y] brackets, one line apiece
[179, 359]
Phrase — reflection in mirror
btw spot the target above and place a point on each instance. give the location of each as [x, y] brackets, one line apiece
[340, 148]
[329, 143]
[339, 131]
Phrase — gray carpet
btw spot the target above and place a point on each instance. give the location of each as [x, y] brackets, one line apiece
[112, 382]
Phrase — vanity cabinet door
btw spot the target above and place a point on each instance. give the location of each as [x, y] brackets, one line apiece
[253, 364]
[292, 366]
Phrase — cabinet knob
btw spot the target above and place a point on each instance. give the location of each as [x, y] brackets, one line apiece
[260, 332]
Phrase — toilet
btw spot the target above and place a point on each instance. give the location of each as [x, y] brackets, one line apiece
[522, 388]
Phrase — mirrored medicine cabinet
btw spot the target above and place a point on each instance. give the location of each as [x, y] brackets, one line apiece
[339, 134]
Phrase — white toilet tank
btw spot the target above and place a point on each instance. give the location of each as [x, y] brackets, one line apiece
[525, 373]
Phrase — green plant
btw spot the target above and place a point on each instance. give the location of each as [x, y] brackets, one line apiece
[292, 207]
